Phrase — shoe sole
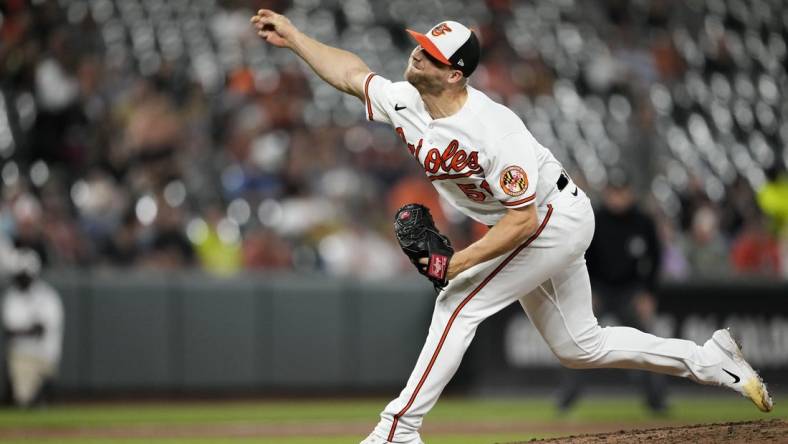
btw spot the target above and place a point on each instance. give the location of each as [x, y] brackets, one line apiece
[754, 387]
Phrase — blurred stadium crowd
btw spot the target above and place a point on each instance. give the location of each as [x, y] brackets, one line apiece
[163, 134]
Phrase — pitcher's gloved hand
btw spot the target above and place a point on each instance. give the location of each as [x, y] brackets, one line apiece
[420, 239]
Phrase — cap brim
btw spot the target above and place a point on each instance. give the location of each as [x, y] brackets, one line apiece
[428, 46]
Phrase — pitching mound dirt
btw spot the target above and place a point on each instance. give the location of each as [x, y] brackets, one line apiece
[750, 432]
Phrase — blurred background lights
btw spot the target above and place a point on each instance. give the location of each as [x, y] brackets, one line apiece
[101, 10]
[768, 89]
[269, 212]
[620, 108]
[76, 12]
[146, 210]
[239, 211]
[80, 193]
[273, 145]
[26, 110]
[233, 178]
[10, 173]
[269, 151]
[358, 139]
[6, 136]
[228, 231]
[197, 231]
[39, 173]
[175, 193]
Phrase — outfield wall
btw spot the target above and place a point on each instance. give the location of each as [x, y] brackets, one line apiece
[284, 334]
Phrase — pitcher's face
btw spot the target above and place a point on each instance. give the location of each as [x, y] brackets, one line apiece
[425, 73]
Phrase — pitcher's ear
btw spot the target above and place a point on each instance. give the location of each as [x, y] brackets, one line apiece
[455, 76]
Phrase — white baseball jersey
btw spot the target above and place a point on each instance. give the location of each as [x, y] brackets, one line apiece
[39, 304]
[482, 159]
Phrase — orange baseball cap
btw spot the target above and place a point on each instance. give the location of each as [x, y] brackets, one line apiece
[452, 44]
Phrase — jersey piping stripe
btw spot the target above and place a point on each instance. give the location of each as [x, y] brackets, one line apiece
[518, 202]
[366, 95]
[457, 312]
[451, 176]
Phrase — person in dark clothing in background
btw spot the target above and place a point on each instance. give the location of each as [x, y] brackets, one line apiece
[623, 263]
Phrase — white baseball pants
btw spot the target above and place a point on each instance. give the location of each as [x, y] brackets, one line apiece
[28, 374]
[548, 275]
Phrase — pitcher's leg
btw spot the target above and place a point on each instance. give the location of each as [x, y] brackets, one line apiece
[455, 319]
[402, 417]
[561, 310]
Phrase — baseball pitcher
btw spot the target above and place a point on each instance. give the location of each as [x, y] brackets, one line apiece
[480, 157]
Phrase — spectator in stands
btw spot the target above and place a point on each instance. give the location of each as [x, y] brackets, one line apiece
[359, 252]
[66, 239]
[773, 199]
[104, 103]
[264, 250]
[33, 326]
[57, 93]
[704, 247]
[122, 248]
[674, 263]
[623, 263]
[169, 248]
[28, 225]
[741, 208]
[756, 251]
[217, 243]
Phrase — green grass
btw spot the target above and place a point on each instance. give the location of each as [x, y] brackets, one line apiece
[271, 412]
[443, 439]
[294, 440]
[521, 410]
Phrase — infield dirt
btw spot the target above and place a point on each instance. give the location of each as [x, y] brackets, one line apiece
[750, 432]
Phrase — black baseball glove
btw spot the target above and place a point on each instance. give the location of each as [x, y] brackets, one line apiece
[419, 238]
